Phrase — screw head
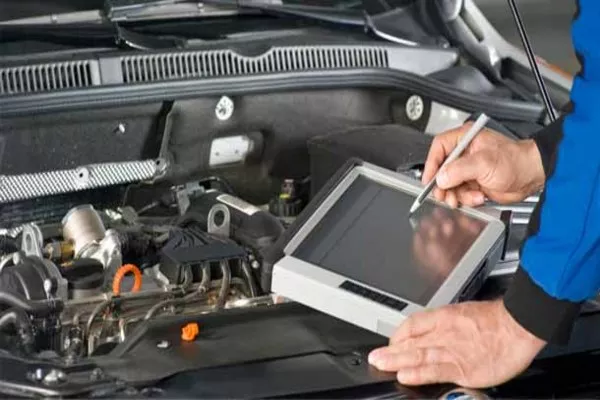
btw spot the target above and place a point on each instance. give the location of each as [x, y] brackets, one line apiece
[120, 129]
[163, 344]
[224, 108]
[415, 107]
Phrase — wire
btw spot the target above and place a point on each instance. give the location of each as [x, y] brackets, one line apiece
[539, 80]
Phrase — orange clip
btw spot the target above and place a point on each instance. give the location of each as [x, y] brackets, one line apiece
[190, 331]
[120, 274]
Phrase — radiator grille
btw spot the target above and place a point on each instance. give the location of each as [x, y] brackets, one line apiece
[45, 77]
[215, 63]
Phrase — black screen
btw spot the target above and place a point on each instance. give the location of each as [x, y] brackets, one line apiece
[369, 237]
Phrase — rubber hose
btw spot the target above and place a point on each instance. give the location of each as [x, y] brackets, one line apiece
[37, 308]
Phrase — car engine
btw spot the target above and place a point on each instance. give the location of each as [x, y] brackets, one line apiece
[76, 288]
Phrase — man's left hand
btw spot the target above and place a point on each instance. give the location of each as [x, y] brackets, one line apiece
[474, 344]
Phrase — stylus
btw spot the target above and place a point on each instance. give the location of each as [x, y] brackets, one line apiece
[460, 147]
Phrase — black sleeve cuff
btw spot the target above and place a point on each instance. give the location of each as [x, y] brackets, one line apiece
[547, 141]
[544, 316]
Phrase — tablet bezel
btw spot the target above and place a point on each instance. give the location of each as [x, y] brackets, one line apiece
[461, 275]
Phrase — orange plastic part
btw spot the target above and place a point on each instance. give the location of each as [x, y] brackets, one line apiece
[190, 331]
[120, 274]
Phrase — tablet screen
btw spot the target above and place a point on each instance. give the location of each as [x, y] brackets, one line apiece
[368, 236]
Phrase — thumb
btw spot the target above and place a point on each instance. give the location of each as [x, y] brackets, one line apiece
[467, 168]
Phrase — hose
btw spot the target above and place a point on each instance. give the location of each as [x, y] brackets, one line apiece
[38, 308]
[20, 320]
[225, 285]
[250, 278]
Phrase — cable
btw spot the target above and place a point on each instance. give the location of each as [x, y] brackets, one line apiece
[38, 308]
[539, 80]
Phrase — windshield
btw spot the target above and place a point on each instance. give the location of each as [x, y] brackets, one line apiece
[17, 9]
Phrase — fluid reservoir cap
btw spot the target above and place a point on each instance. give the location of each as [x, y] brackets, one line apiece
[190, 331]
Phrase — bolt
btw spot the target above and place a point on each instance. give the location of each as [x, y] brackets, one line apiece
[38, 375]
[120, 129]
[97, 374]
[55, 376]
[415, 107]
[255, 264]
[224, 108]
[163, 344]
[355, 362]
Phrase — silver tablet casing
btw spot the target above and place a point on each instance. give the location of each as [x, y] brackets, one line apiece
[319, 288]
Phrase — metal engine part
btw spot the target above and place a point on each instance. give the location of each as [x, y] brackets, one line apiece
[83, 226]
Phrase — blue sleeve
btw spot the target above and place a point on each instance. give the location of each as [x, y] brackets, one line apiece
[560, 260]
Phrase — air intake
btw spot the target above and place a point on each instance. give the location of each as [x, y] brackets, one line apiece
[47, 77]
[213, 63]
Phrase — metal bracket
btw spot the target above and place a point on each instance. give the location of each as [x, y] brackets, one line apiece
[222, 228]
[32, 241]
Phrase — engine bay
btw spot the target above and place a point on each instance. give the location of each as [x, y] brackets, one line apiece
[89, 279]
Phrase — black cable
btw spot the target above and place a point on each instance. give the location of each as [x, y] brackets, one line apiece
[539, 80]
[37, 308]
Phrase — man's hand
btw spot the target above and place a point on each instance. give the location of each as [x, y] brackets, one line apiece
[475, 345]
[493, 166]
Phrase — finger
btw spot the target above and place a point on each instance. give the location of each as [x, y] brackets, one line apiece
[451, 199]
[439, 194]
[412, 358]
[468, 197]
[441, 147]
[469, 167]
[417, 324]
[429, 374]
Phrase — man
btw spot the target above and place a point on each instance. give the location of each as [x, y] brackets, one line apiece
[481, 344]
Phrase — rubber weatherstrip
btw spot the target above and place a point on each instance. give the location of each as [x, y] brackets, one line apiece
[271, 83]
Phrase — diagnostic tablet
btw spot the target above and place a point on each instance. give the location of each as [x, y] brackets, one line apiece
[360, 257]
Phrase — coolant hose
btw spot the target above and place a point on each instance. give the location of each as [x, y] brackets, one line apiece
[38, 307]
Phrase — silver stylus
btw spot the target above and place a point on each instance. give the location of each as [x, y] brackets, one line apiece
[460, 147]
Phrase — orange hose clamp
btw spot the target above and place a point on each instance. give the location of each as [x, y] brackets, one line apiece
[120, 274]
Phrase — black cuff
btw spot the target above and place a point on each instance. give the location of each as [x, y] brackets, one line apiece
[547, 141]
[544, 316]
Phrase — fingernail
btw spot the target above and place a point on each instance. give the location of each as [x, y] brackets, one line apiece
[480, 198]
[402, 376]
[375, 357]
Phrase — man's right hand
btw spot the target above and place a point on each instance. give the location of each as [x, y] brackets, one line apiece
[493, 167]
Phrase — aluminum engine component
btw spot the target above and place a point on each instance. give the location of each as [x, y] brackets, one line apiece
[84, 227]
